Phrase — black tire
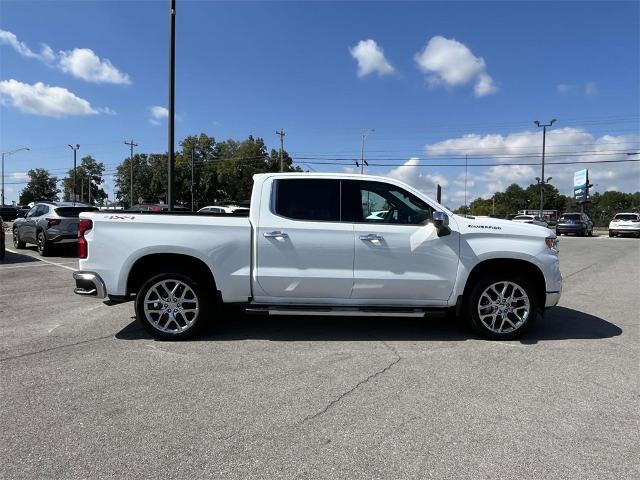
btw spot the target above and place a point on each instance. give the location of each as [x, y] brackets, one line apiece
[611, 234]
[3, 249]
[44, 246]
[474, 299]
[17, 243]
[590, 233]
[163, 332]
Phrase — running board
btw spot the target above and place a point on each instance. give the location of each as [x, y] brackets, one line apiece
[296, 310]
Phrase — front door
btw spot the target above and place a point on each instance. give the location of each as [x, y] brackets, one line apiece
[304, 254]
[399, 254]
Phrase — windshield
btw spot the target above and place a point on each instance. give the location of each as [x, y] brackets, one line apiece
[523, 217]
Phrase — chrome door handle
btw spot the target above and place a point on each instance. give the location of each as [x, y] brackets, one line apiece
[372, 237]
[276, 234]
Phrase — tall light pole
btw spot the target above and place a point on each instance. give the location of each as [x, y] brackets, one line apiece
[282, 134]
[363, 162]
[131, 145]
[75, 150]
[544, 140]
[6, 154]
[466, 168]
[192, 149]
[171, 160]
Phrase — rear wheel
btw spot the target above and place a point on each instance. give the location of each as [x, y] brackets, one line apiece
[172, 306]
[44, 247]
[16, 239]
[502, 306]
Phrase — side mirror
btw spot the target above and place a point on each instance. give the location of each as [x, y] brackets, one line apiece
[440, 219]
[441, 222]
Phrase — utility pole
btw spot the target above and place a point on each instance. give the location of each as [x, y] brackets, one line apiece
[363, 162]
[75, 150]
[131, 144]
[89, 182]
[282, 134]
[192, 149]
[171, 163]
[466, 167]
[6, 154]
[544, 140]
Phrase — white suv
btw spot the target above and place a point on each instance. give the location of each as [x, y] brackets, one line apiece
[625, 224]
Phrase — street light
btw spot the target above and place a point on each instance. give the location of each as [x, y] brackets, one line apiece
[75, 149]
[6, 154]
[544, 139]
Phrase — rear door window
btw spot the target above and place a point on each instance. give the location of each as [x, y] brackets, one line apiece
[308, 199]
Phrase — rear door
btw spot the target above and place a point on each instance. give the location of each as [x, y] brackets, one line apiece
[303, 253]
[399, 255]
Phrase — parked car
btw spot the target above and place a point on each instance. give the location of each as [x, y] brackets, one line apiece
[625, 224]
[532, 219]
[8, 212]
[576, 223]
[224, 209]
[3, 250]
[309, 248]
[48, 224]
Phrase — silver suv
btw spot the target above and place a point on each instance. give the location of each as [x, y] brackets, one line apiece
[48, 224]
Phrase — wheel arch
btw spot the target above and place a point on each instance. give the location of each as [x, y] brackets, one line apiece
[155, 263]
[527, 269]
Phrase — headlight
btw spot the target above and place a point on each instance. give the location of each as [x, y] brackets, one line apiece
[552, 243]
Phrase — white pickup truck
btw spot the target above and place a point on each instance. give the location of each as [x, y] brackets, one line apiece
[311, 246]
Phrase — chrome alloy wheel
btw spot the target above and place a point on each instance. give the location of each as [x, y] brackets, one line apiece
[171, 306]
[503, 307]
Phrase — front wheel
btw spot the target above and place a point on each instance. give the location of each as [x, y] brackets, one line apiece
[502, 306]
[611, 234]
[172, 306]
[17, 243]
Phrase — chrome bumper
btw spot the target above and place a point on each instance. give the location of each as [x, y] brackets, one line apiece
[89, 284]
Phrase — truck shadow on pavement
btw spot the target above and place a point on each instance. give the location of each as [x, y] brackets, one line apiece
[559, 323]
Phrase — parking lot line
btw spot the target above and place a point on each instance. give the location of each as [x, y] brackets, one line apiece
[45, 261]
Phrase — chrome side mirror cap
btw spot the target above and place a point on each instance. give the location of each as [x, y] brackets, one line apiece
[441, 222]
[440, 219]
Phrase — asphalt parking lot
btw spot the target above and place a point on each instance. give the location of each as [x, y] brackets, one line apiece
[85, 393]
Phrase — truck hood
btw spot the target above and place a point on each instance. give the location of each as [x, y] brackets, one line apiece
[497, 226]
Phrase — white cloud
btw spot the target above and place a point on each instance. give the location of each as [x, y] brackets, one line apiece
[157, 114]
[370, 58]
[8, 38]
[41, 99]
[19, 177]
[451, 63]
[563, 145]
[590, 89]
[411, 173]
[81, 63]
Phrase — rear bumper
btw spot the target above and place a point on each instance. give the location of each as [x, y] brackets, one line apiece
[570, 228]
[625, 231]
[66, 238]
[89, 284]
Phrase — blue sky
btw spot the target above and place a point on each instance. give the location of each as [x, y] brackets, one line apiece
[435, 80]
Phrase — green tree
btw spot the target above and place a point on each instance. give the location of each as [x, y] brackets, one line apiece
[41, 186]
[88, 182]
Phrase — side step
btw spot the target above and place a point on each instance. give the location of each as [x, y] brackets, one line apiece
[307, 310]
